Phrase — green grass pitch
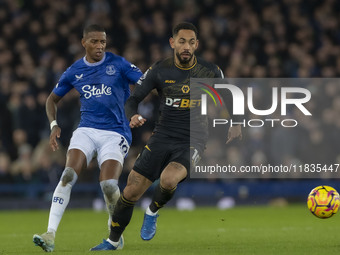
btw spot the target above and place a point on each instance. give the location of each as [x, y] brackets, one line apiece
[241, 230]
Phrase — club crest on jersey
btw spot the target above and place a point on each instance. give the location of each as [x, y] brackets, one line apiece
[185, 89]
[110, 70]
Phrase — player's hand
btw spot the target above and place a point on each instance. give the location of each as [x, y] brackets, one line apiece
[137, 121]
[234, 132]
[55, 133]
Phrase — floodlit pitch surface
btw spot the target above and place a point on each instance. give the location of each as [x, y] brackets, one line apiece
[241, 230]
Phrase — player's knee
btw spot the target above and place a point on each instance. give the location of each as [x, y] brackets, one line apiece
[69, 176]
[132, 193]
[110, 189]
[168, 183]
[172, 175]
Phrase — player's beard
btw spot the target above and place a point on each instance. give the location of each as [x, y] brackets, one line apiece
[184, 61]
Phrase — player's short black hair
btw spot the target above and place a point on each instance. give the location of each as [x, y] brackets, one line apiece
[93, 28]
[184, 25]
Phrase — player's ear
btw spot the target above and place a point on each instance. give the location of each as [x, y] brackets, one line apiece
[83, 41]
[197, 43]
[172, 42]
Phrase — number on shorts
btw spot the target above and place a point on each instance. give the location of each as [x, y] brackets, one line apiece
[195, 157]
[123, 145]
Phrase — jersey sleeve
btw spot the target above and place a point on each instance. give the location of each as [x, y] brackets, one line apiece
[63, 86]
[219, 73]
[131, 72]
[227, 98]
[145, 84]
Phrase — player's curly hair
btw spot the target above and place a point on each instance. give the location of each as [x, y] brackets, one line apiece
[184, 25]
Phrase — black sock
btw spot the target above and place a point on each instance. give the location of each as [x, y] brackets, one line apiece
[121, 217]
[160, 197]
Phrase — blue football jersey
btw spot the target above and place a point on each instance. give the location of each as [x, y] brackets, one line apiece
[104, 88]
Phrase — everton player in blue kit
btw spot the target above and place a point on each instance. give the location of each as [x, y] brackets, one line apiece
[102, 80]
[168, 153]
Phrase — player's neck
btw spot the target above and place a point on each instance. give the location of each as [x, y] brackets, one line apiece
[191, 63]
[91, 60]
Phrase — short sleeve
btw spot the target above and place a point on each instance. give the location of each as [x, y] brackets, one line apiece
[131, 72]
[63, 86]
[219, 73]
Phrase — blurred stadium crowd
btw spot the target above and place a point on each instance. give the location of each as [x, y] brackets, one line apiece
[265, 38]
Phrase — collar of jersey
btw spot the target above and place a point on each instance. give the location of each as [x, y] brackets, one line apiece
[95, 63]
[186, 68]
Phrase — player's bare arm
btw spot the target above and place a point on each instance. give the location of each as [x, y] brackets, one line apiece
[233, 133]
[51, 111]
